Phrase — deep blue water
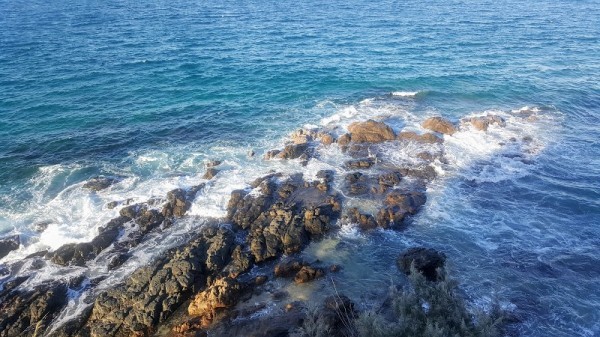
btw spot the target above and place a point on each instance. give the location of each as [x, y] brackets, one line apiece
[91, 87]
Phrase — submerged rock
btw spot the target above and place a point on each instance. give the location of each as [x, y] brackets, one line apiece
[397, 206]
[439, 124]
[483, 122]
[78, 253]
[100, 183]
[9, 244]
[370, 131]
[210, 173]
[427, 261]
[427, 138]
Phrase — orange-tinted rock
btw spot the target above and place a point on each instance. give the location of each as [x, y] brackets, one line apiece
[371, 132]
[439, 124]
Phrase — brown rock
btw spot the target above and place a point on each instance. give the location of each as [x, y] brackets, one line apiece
[371, 132]
[325, 138]
[288, 268]
[363, 163]
[483, 122]
[308, 274]
[439, 124]
[222, 294]
[344, 140]
[427, 138]
[364, 221]
[210, 173]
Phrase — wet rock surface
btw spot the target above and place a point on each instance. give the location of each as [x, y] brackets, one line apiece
[370, 131]
[283, 217]
[100, 183]
[29, 312]
[439, 124]
[426, 261]
[9, 244]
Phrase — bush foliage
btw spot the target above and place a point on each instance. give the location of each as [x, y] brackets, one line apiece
[426, 308]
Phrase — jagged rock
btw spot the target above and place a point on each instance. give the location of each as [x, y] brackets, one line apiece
[117, 261]
[41, 226]
[363, 163]
[293, 151]
[149, 219]
[179, 201]
[344, 140]
[318, 218]
[302, 136]
[212, 163]
[439, 124]
[427, 261]
[364, 221]
[281, 219]
[288, 268]
[210, 173]
[9, 244]
[389, 179]
[483, 122]
[100, 183]
[398, 206]
[224, 293]
[241, 262]
[29, 312]
[78, 253]
[426, 173]
[132, 211]
[427, 138]
[260, 280]
[153, 292]
[370, 132]
[308, 274]
[112, 204]
[325, 138]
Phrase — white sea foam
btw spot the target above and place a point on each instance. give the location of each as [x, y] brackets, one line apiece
[405, 93]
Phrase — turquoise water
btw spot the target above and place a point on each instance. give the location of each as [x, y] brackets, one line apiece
[148, 91]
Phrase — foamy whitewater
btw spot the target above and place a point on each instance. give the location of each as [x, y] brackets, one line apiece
[149, 94]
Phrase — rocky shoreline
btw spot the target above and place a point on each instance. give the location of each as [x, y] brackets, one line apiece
[195, 289]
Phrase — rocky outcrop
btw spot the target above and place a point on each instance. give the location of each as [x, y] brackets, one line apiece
[152, 293]
[398, 205]
[308, 274]
[370, 131]
[100, 183]
[9, 244]
[210, 173]
[482, 123]
[29, 312]
[439, 124]
[222, 294]
[284, 216]
[426, 138]
[426, 261]
[78, 253]
[291, 151]
[179, 201]
[364, 221]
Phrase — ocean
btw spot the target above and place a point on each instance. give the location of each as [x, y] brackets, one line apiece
[148, 92]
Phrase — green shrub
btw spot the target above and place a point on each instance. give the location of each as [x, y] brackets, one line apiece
[432, 309]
